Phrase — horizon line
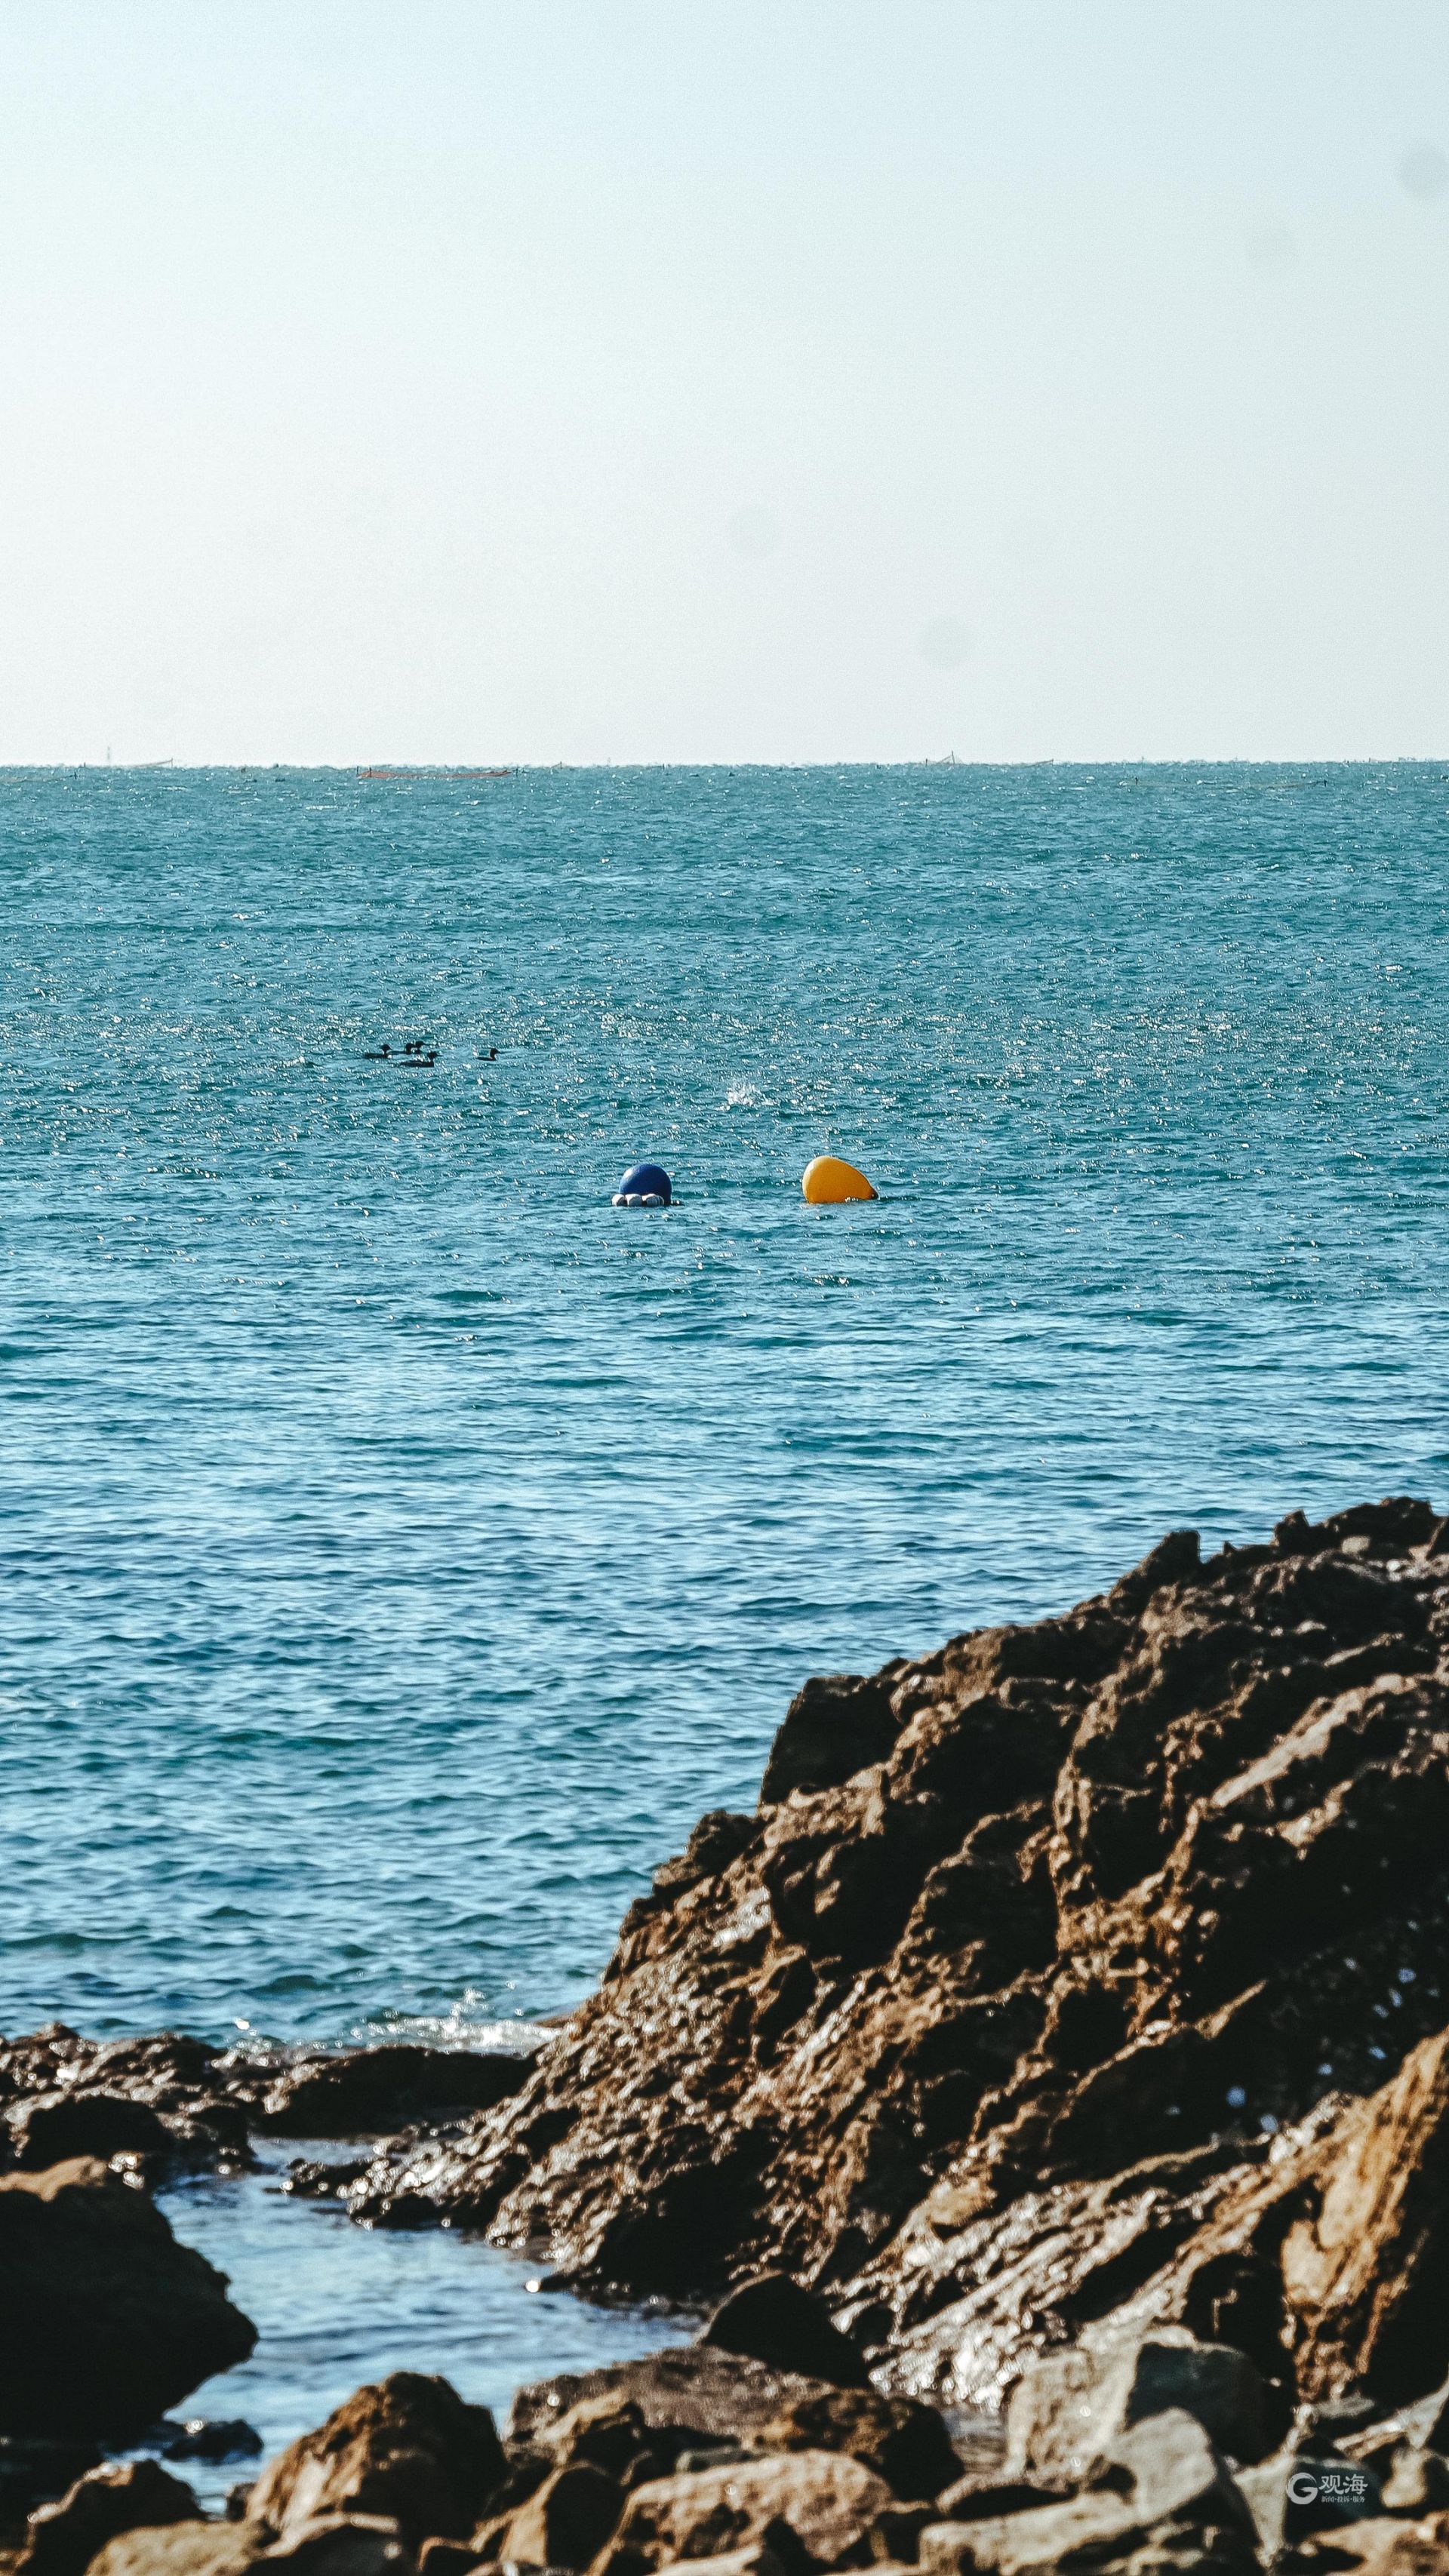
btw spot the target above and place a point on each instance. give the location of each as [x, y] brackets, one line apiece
[383, 771]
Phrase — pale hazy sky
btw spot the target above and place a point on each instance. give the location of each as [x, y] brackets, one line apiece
[713, 380]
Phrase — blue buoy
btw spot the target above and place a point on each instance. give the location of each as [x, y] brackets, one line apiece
[644, 1185]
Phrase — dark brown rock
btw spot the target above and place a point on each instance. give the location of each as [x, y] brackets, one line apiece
[904, 2442]
[407, 2448]
[567, 2520]
[1366, 2265]
[684, 2411]
[36, 2469]
[447, 2558]
[384, 2089]
[341, 2544]
[310, 2178]
[173, 2100]
[991, 2499]
[57, 2126]
[64, 2537]
[607, 2432]
[205, 2437]
[158, 2102]
[106, 2321]
[772, 2319]
[833, 1727]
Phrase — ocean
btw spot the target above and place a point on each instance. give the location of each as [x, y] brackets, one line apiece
[403, 1546]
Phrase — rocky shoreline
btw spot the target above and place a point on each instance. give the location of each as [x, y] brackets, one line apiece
[1049, 2082]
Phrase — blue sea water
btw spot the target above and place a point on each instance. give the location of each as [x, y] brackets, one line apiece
[402, 1546]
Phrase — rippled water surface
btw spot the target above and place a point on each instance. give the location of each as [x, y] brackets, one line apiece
[402, 1545]
[338, 2304]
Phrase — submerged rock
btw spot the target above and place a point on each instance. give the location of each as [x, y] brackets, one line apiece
[106, 2321]
[203, 2437]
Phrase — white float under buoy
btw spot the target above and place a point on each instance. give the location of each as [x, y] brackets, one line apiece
[644, 1185]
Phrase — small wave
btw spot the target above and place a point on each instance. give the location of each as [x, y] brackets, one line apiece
[462, 2026]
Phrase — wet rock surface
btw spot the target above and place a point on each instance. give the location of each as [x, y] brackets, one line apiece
[155, 2105]
[154, 2102]
[361, 2091]
[202, 2437]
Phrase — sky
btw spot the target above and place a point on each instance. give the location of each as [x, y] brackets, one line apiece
[661, 380]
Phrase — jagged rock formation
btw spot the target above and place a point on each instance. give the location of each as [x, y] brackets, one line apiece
[1071, 1966]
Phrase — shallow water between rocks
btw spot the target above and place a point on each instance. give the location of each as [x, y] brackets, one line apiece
[337, 2304]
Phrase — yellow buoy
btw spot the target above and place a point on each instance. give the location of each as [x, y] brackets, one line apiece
[827, 1182]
